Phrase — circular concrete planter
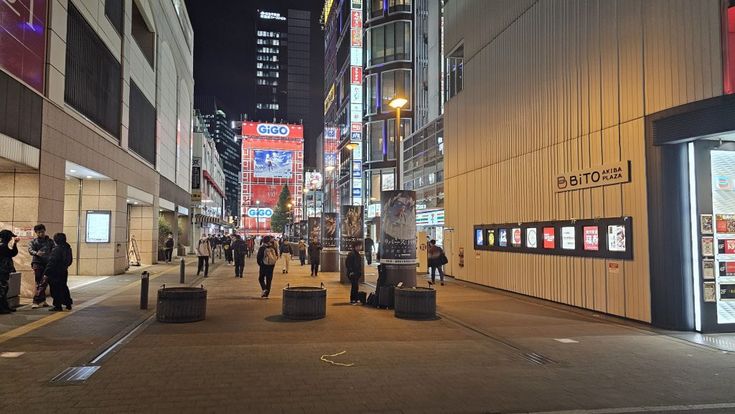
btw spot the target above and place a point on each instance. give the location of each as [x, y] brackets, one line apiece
[181, 304]
[304, 302]
[415, 303]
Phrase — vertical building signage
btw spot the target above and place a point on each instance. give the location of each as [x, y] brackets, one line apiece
[356, 101]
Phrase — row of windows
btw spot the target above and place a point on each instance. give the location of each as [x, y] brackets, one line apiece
[267, 106]
[267, 82]
[267, 74]
[272, 42]
[263, 33]
[393, 83]
[454, 73]
[266, 58]
[267, 66]
[268, 50]
[381, 138]
[389, 42]
[376, 7]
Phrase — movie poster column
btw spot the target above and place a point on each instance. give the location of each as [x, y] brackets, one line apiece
[329, 231]
[351, 227]
[398, 227]
[315, 229]
[304, 230]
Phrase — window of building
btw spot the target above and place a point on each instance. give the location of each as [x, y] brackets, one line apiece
[395, 83]
[376, 8]
[454, 72]
[371, 83]
[142, 134]
[389, 42]
[399, 6]
[115, 12]
[93, 83]
[730, 49]
[391, 132]
[144, 37]
[375, 140]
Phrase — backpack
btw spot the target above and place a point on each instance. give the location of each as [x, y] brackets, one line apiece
[270, 257]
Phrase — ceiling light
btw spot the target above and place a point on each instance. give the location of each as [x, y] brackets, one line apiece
[72, 171]
[89, 176]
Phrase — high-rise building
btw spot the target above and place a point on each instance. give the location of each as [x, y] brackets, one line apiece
[283, 69]
[228, 145]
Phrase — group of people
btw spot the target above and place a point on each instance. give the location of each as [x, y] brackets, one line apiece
[233, 246]
[50, 261]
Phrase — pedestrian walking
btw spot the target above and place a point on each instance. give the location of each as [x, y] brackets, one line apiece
[204, 251]
[302, 252]
[354, 271]
[437, 259]
[169, 247]
[369, 243]
[7, 253]
[286, 255]
[40, 251]
[57, 273]
[315, 249]
[227, 247]
[267, 258]
[250, 243]
[237, 249]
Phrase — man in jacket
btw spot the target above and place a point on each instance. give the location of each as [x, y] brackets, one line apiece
[6, 266]
[266, 258]
[435, 257]
[315, 250]
[285, 254]
[354, 271]
[40, 251]
[369, 243]
[204, 250]
[238, 249]
[169, 250]
[57, 272]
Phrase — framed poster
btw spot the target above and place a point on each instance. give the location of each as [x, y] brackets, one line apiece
[503, 237]
[491, 237]
[516, 237]
[705, 223]
[568, 241]
[531, 238]
[708, 269]
[549, 238]
[710, 292]
[98, 226]
[591, 238]
[724, 246]
[479, 237]
[708, 246]
[616, 241]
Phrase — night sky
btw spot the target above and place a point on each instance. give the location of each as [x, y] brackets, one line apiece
[224, 53]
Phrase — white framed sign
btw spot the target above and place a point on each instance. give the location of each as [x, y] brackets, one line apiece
[98, 226]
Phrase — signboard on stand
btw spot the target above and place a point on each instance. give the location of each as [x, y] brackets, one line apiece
[398, 227]
[350, 226]
[329, 230]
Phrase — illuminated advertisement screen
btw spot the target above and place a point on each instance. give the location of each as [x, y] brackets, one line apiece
[616, 238]
[98, 227]
[516, 233]
[491, 237]
[549, 238]
[503, 238]
[591, 238]
[479, 237]
[531, 238]
[567, 238]
[273, 164]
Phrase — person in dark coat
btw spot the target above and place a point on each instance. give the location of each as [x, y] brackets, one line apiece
[302, 252]
[354, 271]
[369, 243]
[40, 251]
[7, 267]
[227, 247]
[238, 249]
[315, 250]
[435, 254]
[267, 258]
[57, 272]
[169, 247]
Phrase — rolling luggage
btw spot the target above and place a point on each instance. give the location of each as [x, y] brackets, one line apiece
[362, 297]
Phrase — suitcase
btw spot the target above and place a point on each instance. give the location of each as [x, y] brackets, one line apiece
[385, 297]
[371, 299]
[362, 297]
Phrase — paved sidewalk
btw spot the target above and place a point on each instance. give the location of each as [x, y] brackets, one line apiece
[489, 352]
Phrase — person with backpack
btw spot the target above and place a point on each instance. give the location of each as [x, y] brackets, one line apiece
[267, 258]
[40, 251]
[204, 250]
[57, 273]
[6, 267]
[302, 252]
[169, 248]
[285, 255]
[237, 250]
[315, 250]
[227, 247]
[436, 260]
[354, 271]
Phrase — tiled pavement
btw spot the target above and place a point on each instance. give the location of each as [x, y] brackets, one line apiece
[489, 352]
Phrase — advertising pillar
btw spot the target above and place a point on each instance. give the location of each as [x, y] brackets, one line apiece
[350, 232]
[398, 236]
[330, 254]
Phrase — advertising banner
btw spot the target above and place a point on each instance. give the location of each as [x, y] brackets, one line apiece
[398, 227]
[351, 226]
[303, 230]
[315, 229]
[273, 164]
[329, 230]
[296, 230]
[262, 129]
[266, 194]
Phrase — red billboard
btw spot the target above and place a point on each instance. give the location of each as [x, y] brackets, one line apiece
[23, 40]
[264, 129]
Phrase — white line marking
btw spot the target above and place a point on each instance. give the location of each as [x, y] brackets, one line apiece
[566, 340]
[11, 354]
[715, 406]
[89, 283]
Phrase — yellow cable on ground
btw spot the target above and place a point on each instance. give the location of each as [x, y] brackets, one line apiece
[323, 358]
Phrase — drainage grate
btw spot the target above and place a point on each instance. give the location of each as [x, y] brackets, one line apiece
[74, 375]
[538, 359]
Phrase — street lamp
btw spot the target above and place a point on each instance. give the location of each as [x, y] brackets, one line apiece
[257, 217]
[397, 103]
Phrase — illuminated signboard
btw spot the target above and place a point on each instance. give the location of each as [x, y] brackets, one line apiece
[329, 99]
[531, 238]
[98, 227]
[314, 180]
[23, 40]
[549, 238]
[273, 164]
[271, 16]
[356, 101]
[591, 238]
[262, 129]
[568, 238]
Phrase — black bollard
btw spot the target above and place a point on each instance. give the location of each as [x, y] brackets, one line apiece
[144, 281]
[182, 271]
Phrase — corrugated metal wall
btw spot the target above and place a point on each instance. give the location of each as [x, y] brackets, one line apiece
[559, 85]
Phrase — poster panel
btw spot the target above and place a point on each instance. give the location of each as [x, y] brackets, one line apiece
[351, 226]
[303, 230]
[329, 230]
[98, 227]
[315, 229]
[273, 164]
[398, 227]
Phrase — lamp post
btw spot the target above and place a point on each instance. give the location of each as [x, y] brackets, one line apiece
[397, 103]
[257, 217]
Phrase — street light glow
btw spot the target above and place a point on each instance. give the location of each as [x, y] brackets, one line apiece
[398, 103]
[351, 146]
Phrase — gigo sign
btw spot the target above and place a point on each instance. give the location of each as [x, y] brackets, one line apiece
[262, 129]
[273, 129]
[260, 212]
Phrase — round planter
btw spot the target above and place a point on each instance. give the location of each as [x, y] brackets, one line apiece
[181, 304]
[415, 303]
[304, 302]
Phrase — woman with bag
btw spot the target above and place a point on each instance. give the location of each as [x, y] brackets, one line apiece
[354, 272]
[204, 251]
[57, 273]
[436, 260]
[6, 267]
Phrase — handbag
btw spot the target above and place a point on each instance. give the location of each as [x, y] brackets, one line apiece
[443, 259]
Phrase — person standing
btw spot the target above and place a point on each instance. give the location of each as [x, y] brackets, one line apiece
[436, 257]
[227, 247]
[302, 252]
[267, 258]
[250, 243]
[7, 267]
[169, 247]
[354, 271]
[57, 273]
[286, 255]
[40, 251]
[204, 250]
[315, 249]
[369, 243]
[237, 251]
